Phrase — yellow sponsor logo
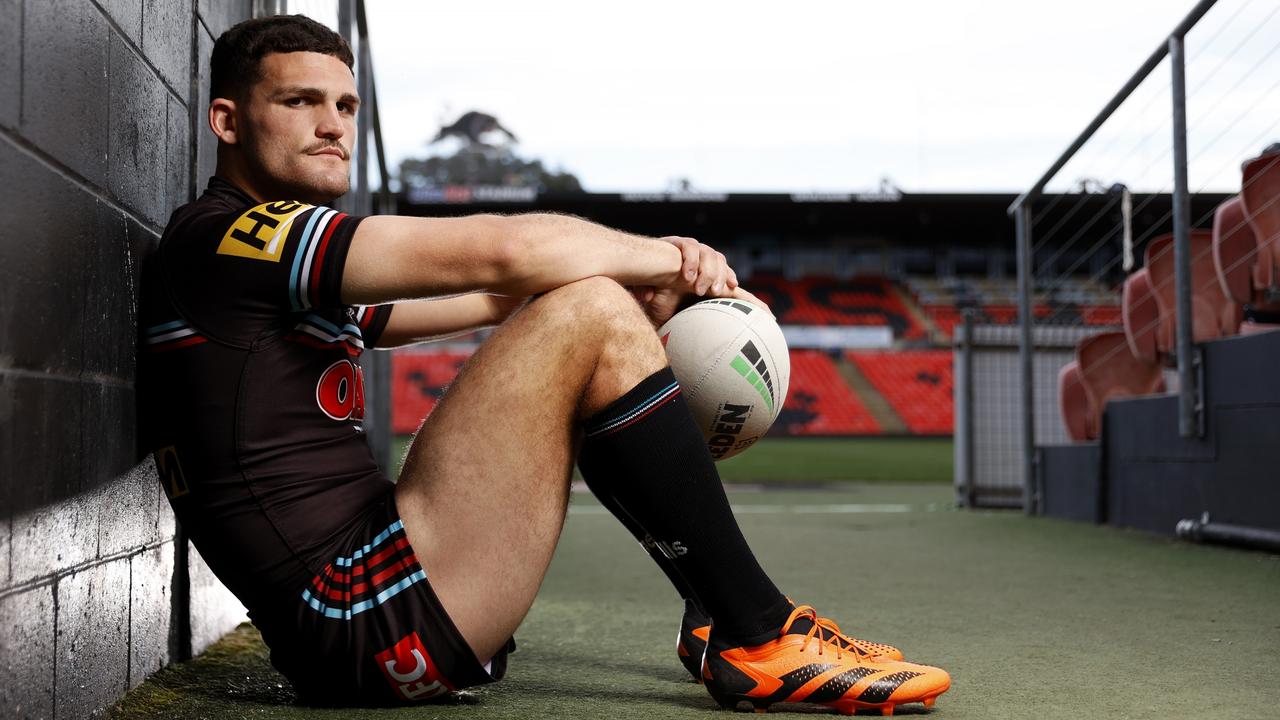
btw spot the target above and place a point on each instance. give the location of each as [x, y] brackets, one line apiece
[171, 477]
[260, 233]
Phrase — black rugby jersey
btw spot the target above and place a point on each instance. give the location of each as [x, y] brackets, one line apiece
[250, 389]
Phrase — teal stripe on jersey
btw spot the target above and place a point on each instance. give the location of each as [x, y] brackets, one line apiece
[296, 275]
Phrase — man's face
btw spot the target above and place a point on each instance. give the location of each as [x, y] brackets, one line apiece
[298, 126]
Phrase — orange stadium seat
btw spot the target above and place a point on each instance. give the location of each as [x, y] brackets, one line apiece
[819, 402]
[918, 384]
[827, 301]
[1213, 315]
[1235, 250]
[1260, 193]
[1108, 370]
[1001, 314]
[418, 380]
[1141, 317]
[945, 317]
[948, 317]
[1073, 401]
[1101, 315]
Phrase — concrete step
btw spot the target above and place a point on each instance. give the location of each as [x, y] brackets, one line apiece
[888, 420]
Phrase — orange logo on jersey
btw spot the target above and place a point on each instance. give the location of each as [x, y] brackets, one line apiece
[260, 233]
[171, 477]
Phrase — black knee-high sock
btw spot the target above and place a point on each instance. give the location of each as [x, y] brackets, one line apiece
[645, 453]
[668, 567]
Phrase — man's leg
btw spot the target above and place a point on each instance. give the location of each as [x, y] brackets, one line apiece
[485, 483]
[484, 488]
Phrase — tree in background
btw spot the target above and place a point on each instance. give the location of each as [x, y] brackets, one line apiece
[485, 156]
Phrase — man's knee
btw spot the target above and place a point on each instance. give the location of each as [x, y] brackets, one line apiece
[597, 303]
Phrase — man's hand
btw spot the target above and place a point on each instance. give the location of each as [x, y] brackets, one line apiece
[703, 273]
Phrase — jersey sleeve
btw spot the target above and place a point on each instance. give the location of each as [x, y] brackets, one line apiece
[372, 320]
[234, 274]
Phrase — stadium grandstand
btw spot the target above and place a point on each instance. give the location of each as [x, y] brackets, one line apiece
[869, 290]
[1137, 386]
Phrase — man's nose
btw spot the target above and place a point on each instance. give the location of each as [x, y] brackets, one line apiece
[330, 125]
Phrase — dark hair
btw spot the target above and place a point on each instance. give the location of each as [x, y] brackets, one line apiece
[238, 53]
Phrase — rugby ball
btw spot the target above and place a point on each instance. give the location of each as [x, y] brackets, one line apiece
[732, 363]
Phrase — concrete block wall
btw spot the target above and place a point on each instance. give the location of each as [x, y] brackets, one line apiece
[102, 134]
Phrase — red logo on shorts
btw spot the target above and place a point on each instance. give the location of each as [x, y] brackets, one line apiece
[409, 669]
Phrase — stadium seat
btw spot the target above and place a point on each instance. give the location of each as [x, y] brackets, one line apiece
[1212, 314]
[917, 384]
[1235, 250]
[819, 402]
[1260, 193]
[1101, 315]
[945, 317]
[1109, 370]
[1073, 402]
[418, 380]
[828, 301]
[1141, 317]
[1249, 327]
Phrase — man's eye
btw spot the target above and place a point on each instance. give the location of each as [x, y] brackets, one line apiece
[295, 102]
[344, 107]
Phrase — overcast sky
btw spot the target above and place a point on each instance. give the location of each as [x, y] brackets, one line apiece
[829, 96]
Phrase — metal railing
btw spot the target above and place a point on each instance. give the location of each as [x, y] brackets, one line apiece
[1188, 421]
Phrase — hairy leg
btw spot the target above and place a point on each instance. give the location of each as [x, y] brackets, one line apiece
[485, 483]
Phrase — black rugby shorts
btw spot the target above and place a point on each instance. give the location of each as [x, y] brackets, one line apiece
[369, 630]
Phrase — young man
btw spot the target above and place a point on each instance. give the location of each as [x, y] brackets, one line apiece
[256, 307]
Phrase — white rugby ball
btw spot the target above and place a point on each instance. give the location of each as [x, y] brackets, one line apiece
[732, 363]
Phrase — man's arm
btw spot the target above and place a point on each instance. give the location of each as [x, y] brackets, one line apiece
[397, 258]
[414, 321]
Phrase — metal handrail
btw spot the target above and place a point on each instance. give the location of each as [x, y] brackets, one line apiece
[384, 190]
[1020, 210]
[1109, 109]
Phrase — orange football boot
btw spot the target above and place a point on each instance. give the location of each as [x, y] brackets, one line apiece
[691, 641]
[812, 662]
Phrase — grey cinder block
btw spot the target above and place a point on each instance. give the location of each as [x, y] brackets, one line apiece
[27, 654]
[139, 106]
[48, 223]
[109, 317]
[166, 39]
[93, 639]
[129, 512]
[220, 15]
[39, 451]
[73, 521]
[5, 530]
[10, 61]
[149, 618]
[64, 84]
[214, 610]
[206, 143]
[178, 157]
[127, 14]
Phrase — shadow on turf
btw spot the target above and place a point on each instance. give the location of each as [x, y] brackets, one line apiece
[685, 700]
[237, 673]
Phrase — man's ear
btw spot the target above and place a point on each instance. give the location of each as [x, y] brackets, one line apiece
[222, 120]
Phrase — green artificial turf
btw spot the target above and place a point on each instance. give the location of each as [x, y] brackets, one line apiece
[1034, 618]
[779, 460]
[819, 460]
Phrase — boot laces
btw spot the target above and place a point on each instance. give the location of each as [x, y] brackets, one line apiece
[826, 631]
